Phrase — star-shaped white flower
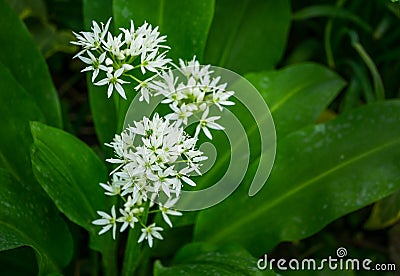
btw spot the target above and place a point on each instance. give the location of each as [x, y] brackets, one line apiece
[107, 221]
[113, 188]
[166, 210]
[180, 115]
[153, 62]
[206, 123]
[113, 45]
[113, 81]
[150, 232]
[91, 40]
[220, 97]
[95, 64]
[128, 219]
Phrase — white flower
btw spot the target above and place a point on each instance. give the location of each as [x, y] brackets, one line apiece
[140, 48]
[128, 219]
[193, 68]
[166, 210]
[151, 37]
[184, 175]
[180, 115]
[191, 94]
[109, 221]
[206, 123]
[113, 188]
[131, 202]
[100, 33]
[220, 97]
[113, 45]
[153, 62]
[95, 64]
[91, 40]
[130, 34]
[149, 232]
[113, 81]
[166, 87]
[147, 155]
[161, 179]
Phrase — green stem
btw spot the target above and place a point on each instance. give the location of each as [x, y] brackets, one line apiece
[133, 249]
[327, 38]
[118, 111]
[328, 47]
[116, 99]
[378, 84]
[110, 262]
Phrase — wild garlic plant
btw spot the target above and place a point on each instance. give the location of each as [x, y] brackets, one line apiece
[154, 157]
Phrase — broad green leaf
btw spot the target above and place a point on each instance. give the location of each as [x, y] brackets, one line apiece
[70, 172]
[385, 212]
[16, 108]
[296, 95]
[186, 23]
[321, 173]
[247, 36]
[29, 219]
[102, 108]
[100, 10]
[204, 259]
[23, 59]
[24, 196]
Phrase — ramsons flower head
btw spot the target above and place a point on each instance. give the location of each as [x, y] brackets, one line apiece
[113, 56]
[190, 91]
[154, 159]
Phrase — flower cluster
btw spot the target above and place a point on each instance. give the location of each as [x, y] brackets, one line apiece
[154, 157]
[190, 91]
[131, 49]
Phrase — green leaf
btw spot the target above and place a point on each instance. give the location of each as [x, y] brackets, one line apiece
[332, 12]
[385, 212]
[16, 107]
[321, 173]
[29, 219]
[98, 10]
[102, 108]
[70, 172]
[296, 95]
[204, 259]
[27, 216]
[21, 56]
[186, 23]
[248, 36]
